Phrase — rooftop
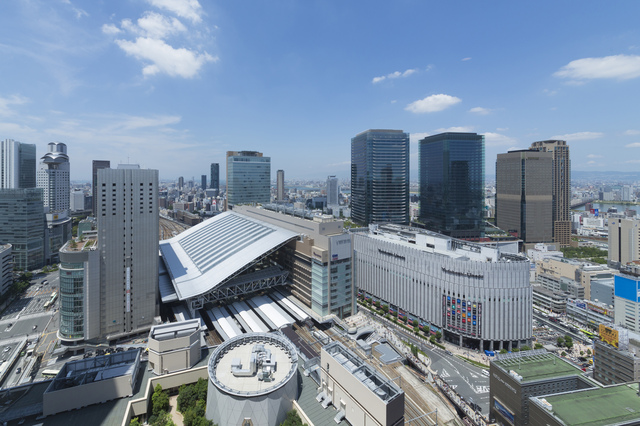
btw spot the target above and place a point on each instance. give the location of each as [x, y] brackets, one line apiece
[535, 365]
[253, 364]
[587, 407]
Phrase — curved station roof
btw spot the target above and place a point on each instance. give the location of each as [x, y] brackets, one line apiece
[208, 254]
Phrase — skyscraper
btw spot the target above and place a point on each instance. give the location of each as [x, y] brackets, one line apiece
[561, 188]
[452, 184]
[280, 185]
[180, 182]
[215, 176]
[17, 164]
[203, 182]
[380, 177]
[54, 179]
[332, 191]
[96, 165]
[524, 194]
[248, 177]
[22, 225]
[128, 224]
[624, 241]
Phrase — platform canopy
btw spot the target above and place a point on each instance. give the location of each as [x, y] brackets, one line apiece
[208, 255]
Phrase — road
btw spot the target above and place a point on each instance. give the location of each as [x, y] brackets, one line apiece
[465, 378]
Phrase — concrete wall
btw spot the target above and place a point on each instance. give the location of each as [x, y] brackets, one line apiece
[362, 407]
[81, 396]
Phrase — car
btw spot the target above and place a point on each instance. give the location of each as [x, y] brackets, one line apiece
[35, 326]
[7, 349]
[18, 370]
[485, 372]
[44, 282]
[448, 352]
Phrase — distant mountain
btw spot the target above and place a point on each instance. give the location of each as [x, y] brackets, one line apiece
[613, 176]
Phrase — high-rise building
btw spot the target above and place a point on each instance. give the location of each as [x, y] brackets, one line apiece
[626, 299]
[452, 184]
[95, 166]
[332, 191]
[380, 177]
[180, 182]
[624, 241]
[280, 185]
[215, 176]
[17, 164]
[128, 224]
[524, 194]
[561, 188]
[6, 268]
[54, 179]
[248, 177]
[22, 225]
[203, 182]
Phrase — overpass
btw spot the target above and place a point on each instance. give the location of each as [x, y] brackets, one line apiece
[581, 202]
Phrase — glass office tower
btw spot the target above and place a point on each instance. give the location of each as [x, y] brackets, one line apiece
[452, 184]
[380, 177]
[248, 177]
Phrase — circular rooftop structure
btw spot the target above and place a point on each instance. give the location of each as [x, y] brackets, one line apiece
[252, 376]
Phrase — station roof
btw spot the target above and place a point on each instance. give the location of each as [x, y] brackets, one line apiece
[210, 253]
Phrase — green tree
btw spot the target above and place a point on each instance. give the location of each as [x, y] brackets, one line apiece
[426, 330]
[538, 346]
[589, 352]
[414, 350]
[134, 422]
[503, 351]
[432, 339]
[385, 308]
[159, 401]
[560, 342]
[563, 353]
[414, 322]
[438, 336]
[568, 341]
[581, 353]
[293, 419]
[525, 348]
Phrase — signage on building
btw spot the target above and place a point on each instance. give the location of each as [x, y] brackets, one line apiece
[608, 335]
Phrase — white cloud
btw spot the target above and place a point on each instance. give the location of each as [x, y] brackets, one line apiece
[79, 12]
[591, 162]
[11, 100]
[632, 161]
[110, 29]
[580, 136]
[394, 75]
[163, 58]
[341, 164]
[455, 129]
[466, 59]
[155, 25]
[621, 67]
[480, 110]
[633, 145]
[189, 9]
[594, 156]
[549, 92]
[497, 139]
[502, 129]
[140, 122]
[415, 137]
[433, 103]
[632, 132]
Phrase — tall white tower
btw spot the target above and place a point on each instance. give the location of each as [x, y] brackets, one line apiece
[53, 178]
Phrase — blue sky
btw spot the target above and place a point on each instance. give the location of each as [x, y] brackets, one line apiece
[174, 84]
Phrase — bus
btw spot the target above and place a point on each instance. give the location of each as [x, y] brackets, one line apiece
[50, 374]
[589, 334]
[51, 301]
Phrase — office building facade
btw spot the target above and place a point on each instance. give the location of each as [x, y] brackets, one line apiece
[561, 188]
[476, 295]
[215, 176]
[452, 184]
[248, 177]
[624, 241]
[332, 191]
[203, 182]
[6, 268]
[524, 197]
[22, 225]
[79, 290]
[617, 363]
[128, 223]
[627, 298]
[280, 185]
[54, 178]
[95, 166]
[380, 177]
[17, 165]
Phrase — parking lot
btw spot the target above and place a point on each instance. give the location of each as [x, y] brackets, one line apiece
[34, 298]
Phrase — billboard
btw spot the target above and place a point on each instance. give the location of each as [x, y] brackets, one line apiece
[608, 335]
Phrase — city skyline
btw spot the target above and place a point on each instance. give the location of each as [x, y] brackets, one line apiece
[173, 85]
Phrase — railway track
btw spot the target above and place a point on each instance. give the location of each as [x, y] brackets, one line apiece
[169, 228]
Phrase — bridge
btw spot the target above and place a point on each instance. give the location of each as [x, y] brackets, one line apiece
[581, 202]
